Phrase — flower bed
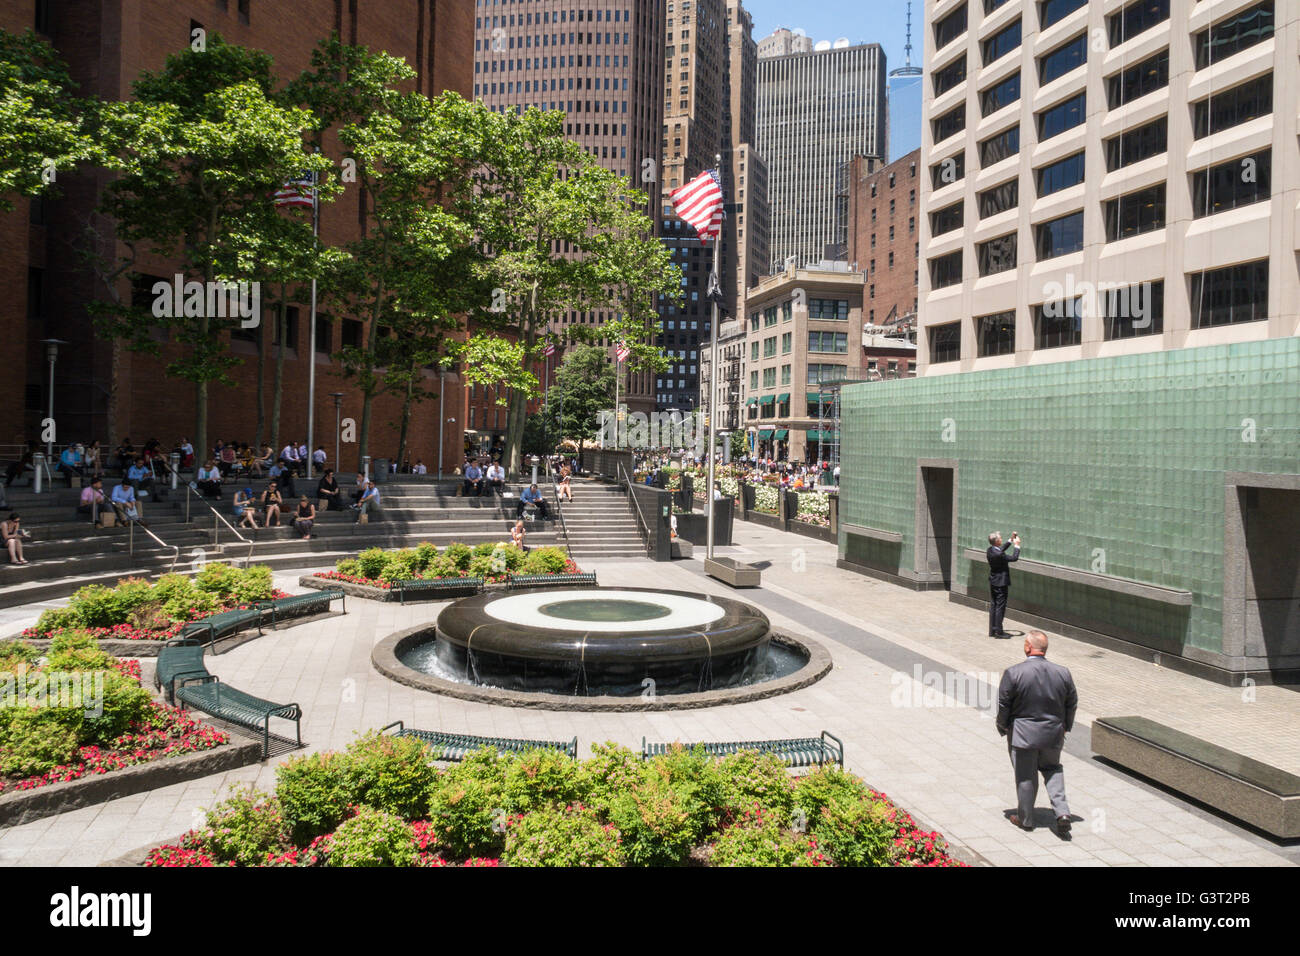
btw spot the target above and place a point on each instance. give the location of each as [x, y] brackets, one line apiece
[765, 498]
[381, 803]
[45, 740]
[382, 569]
[135, 610]
[814, 508]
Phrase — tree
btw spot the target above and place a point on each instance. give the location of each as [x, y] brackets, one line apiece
[585, 386]
[42, 125]
[563, 234]
[202, 146]
[739, 444]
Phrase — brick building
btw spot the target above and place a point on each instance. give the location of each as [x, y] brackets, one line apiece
[884, 238]
[104, 391]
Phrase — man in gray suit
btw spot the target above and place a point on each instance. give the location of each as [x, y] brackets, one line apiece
[1036, 705]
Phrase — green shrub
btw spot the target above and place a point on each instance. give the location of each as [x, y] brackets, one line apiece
[217, 579]
[401, 566]
[373, 838]
[15, 653]
[613, 770]
[460, 555]
[658, 819]
[125, 704]
[424, 553]
[313, 793]
[390, 773]
[253, 584]
[751, 780]
[697, 777]
[348, 566]
[484, 550]
[855, 831]
[466, 809]
[762, 842]
[180, 597]
[817, 788]
[542, 779]
[34, 740]
[483, 566]
[371, 562]
[244, 828]
[562, 837]
[545, 561]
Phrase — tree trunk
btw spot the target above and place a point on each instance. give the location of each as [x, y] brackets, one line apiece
[278, 387]
[516, 416]
[406, 422]
[261, 389]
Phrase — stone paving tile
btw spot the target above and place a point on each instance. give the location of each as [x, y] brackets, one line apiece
[945, 764]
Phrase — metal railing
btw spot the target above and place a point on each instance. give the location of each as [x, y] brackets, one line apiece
[216, 527]
[559, 510]
[642, 526]
[130, 543]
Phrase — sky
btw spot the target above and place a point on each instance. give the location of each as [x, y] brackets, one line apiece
[863, 21]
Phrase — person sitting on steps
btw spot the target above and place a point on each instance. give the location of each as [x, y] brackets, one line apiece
[271, 502]
[208, 480]
[305, 517]
[531, 496]
[13, 536]
[245, 509]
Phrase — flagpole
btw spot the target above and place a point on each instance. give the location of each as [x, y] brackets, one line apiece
[618, 374]
[311, 352]
[713, 377]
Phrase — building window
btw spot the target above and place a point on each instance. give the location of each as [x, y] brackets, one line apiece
[947, 219]
[1221, 40]
[1000, 95]
[1059, 237]
[949, 124]
[1001, 43]
[1058, 324]
[1232, 184]
[1231, 295]
[999, 199]
[769, 378]
[753, 351]
[324, 335]
[1134, 310]
[1050, 11]
[769, 347]
[999, 147]
[1241, 104]
[996, 334]
[946, 172]
[820, 374]
[950, 27]
[1068, 56]
[945, 270]
[950, 76]
[785, 380]
[1063, 116]
[945, 342]
[828, 342]
[1134, 145]
[1136, 213]
[1138, 80]
[786, 342]
[1059, 175]
[997, 255]
[828, 309]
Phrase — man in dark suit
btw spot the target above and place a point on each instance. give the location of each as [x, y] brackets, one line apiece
[1000, 578]
[1036, 705]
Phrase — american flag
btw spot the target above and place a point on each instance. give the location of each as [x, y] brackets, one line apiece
[550, 348]
[297, 192]
[699, 202]
[623, 352]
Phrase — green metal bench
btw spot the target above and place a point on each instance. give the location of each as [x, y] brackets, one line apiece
[226, 623]
[583, 579]
[793, 751]
[296, 605]
[221, 700]
[448, 587]
[180, 659]
[456, 747]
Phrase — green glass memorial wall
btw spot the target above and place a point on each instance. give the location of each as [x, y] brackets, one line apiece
[1158, 495]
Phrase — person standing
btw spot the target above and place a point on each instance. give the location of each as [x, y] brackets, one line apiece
[1000, 579]
[1037, 700]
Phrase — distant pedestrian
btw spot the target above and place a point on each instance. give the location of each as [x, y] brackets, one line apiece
[1000, 579]
[1036, 705]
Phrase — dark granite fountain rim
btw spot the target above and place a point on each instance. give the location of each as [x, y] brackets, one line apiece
[386, 658]
[466, 623]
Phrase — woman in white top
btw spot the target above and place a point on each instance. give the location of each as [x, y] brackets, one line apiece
[209, 480]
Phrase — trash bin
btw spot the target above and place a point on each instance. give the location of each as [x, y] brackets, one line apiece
[379, 470]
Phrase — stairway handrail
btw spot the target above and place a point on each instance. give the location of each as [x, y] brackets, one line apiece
[130, 543]
[643, 527]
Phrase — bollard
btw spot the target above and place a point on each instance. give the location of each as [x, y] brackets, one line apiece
[176, 466]
[365, 467]
[38, 466]
[533, 461]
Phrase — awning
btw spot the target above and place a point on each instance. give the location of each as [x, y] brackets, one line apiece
[783, 397]
[824, 435]
[815, 398]
[765, 434]
[752, 401]
[781, 434]
[767, 400]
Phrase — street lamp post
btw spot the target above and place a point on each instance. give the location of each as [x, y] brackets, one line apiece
[338, 421]
[52, 354]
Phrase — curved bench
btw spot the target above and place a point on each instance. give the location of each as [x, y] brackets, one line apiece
[225, 624]
[221, 700]
[792, 751]
[180, 659]
[296, 605]
[583, 579]
[449, 587]
[456, 747]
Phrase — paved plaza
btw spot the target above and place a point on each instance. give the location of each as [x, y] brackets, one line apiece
[935, 753]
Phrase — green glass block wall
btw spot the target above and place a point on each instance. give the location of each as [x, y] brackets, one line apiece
[1113, 465]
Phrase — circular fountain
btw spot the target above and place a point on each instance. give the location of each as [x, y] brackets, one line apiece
[616, 644]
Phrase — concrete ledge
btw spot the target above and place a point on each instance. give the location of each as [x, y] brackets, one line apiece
[682, 549]
[765, 519]
[810, 530]
[906, 579]
[1256, 793]
[893, 537]
[385, 659]
[733, 572]
[24, 806]
[1107, 582]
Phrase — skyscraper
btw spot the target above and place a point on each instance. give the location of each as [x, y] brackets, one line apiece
[601, 62]
[815, 112]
